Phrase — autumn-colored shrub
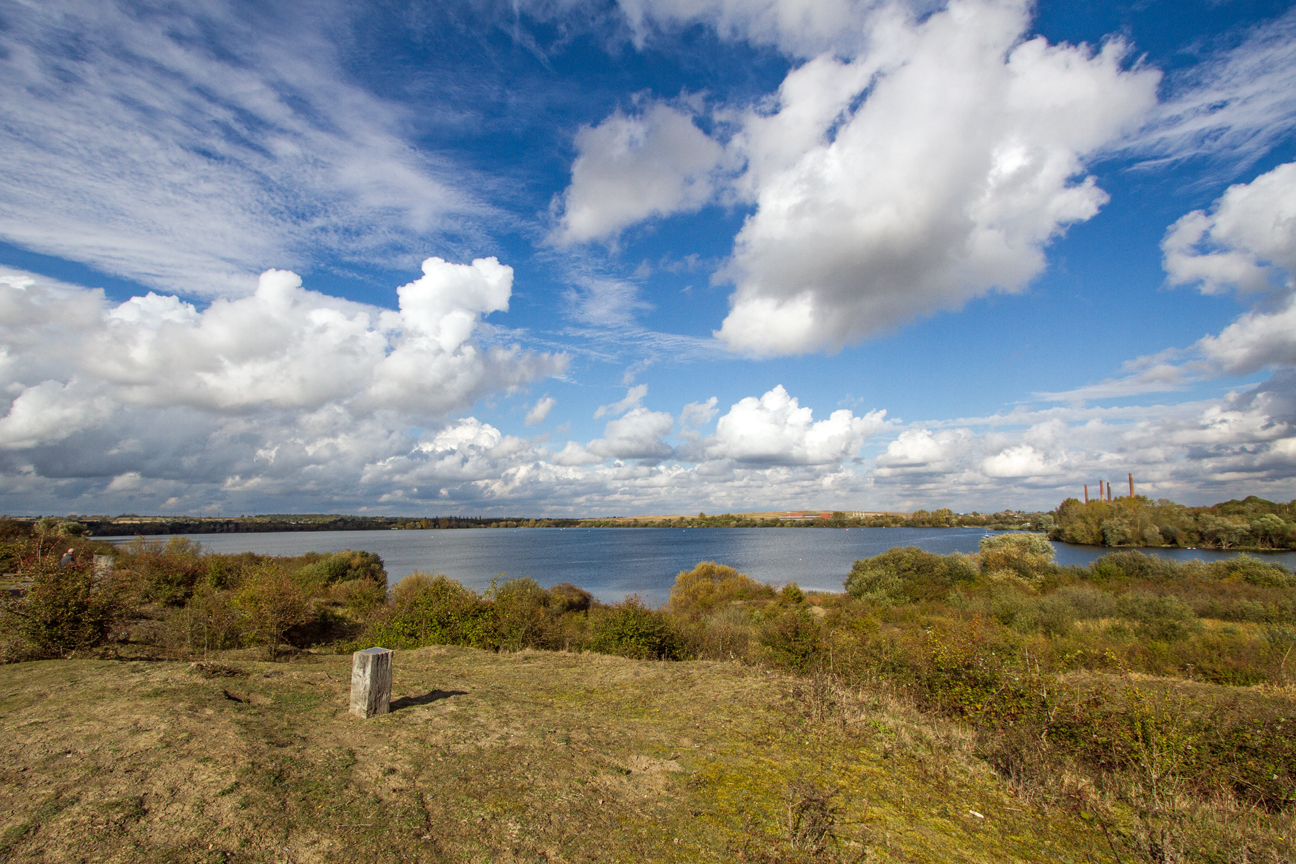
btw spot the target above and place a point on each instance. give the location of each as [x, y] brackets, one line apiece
[68, 608]
[1030, 556]
[271, 604]
[698, 591]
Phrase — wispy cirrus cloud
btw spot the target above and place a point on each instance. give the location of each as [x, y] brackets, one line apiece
[190, 148]
[1233, 106]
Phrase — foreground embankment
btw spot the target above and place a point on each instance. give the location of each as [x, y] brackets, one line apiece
[532, 756]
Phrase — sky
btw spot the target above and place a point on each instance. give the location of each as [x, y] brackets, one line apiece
[632, 257]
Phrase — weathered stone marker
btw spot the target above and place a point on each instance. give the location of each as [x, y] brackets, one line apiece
[371, 676]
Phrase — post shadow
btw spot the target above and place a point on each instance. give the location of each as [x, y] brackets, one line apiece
[425, 699]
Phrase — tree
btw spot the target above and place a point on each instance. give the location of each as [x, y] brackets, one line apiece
[1225, 533]
[1270, 529]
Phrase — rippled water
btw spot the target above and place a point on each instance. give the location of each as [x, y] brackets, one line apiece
[613, 563]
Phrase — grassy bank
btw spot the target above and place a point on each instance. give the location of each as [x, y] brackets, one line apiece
[531, 756]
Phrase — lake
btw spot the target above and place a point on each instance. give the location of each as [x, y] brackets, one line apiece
[614, 563]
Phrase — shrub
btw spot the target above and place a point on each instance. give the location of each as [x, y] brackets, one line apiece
[630, 629]
[271, 604]
[344, 566]
[14, 529]
[1251, 570]
[1163, 619]
[522, 617]
[876, 584]
[566, 597]
[791, 595]
[163, 573]
[362, 596]
[708, 585]
[725, 634]
[1130, 566]
[1088, 602]
[793, 639]
[208, 622]
[1054, 615]
[435, 610]
[68, 608]
[907, 573]
[1029, 555]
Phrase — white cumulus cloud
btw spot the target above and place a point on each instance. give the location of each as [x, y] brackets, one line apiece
[640, 434]
[776, 430]
[286, 391]
[540, 410]
[1246, 242]
[633, 399]
[965, 158]
[631, 168]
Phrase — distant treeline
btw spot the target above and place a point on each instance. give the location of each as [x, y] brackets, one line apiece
[134, 526]
[1006, 520]
[1252, 523]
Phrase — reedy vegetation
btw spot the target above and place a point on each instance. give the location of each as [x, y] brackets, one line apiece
[1151, 695]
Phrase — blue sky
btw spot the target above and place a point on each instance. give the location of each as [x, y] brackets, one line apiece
[647, 256]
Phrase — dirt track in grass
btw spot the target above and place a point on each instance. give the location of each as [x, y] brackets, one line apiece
[488, 757]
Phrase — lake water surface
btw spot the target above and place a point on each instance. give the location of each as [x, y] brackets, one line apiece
[614, 563]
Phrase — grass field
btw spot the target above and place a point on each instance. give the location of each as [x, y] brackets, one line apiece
[533, 756]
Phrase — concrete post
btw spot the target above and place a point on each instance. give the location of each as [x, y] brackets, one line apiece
[371, 677]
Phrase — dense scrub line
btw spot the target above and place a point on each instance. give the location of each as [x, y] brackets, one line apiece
[1252, 523]
[1135, 682]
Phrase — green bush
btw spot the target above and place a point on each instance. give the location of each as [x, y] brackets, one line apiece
[1131, 566]
[208, 622]
[1055, 616]
[164, 573]
[362, 596]
[522, 617]
[630, 629]
[1252, 571]
[346, 566]
[1088, 602]
[435, 610]
[907, 573]
[1162, 619]
[726, 634]
[875, 583]
[793, 639]
[566, 597]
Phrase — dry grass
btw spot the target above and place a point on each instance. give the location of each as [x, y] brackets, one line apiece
[487, 757]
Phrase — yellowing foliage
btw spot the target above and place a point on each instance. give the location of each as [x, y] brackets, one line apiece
[708, 585]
